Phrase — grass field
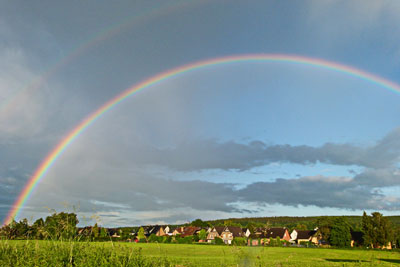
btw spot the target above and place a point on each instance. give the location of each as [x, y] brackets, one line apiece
[48, 253]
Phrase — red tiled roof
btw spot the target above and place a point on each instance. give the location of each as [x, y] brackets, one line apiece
[190, 230]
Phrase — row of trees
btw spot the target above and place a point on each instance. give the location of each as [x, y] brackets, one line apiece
[56, 226]
[376, 231]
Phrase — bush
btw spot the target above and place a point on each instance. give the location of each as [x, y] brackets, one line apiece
[153, 238]
[239, 241]
[219, 241]
[167, 239]
[304, 243]
[142, 240]
[188, 239]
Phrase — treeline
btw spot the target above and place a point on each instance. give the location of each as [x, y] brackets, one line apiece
[58, 226]
[295, 222]
[373, 231]
[376, 232]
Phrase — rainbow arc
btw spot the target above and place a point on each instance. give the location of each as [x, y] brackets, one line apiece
[52, 157]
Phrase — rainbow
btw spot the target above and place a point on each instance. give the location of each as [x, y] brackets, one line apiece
[51, 158]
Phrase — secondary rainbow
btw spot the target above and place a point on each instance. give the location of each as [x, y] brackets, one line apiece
[101, 36]
[72, 135]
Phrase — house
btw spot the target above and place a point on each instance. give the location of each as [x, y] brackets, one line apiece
[190, 230]
[114, 232]
[166, 230]
[215, 232]
[298, 236]
[155, 229]
[177, 231]
[282, 233]
[259, 230]
[231, 232]
[87, 230]
[256, 239]
[246, 232]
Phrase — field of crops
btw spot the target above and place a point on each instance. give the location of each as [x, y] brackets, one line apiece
[57, 253]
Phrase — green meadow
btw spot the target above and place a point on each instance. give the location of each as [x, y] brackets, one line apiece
[59, 253]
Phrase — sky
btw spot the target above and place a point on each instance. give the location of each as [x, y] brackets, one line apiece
[243, 139]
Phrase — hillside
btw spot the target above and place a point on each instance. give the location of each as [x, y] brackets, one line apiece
[292, 222]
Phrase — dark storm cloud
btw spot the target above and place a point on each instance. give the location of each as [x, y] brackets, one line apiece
[378, 177]
[320, 191]
[210, 154]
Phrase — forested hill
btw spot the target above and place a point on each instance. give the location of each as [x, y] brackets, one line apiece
[293, 222]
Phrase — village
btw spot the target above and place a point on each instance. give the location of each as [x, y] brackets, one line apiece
[228, 235]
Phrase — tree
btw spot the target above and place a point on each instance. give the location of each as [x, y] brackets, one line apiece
[324, 227]
[9, 231]
[340, 235]
[300, 226]
[377, 230]
[199, 223]
[61, 225]
[231, 223]
[251, 226]
[396, 237]
[218, 241]
[95, 231]
[239, 241]
[153, 238]
[22, 229]
[38, 229]
[203, 234]
[140, 235]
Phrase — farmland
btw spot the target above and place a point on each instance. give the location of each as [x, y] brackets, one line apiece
[59, 253]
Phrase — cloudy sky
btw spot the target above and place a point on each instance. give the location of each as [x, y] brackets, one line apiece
[232, 140]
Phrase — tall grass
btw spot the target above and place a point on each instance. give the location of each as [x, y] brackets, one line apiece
[64, 253]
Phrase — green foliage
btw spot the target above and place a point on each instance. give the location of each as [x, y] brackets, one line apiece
[199, 223]
[89, 254]
[304, 243]
[152, 238]
[203, 234]
[239, 241]
[103, 233]
[196, 238]
[74, 254]
[218, 241]
[292, 222]
[231, 223]
[340, 233]
[184, 240]
[57, 226]
[272, 242]
[396, 237]
[167, 239]
[140, 234]
[324, 227]
[301, 226]
[377, 230]
[189, 239]
[61, 225]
